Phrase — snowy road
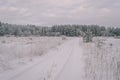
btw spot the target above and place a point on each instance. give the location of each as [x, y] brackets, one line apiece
[63, 63]
[73, 69]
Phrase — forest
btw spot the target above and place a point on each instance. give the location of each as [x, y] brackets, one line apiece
[7, 29]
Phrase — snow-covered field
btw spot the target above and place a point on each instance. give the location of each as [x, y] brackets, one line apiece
[49, 66]
[72, 60]
[16, 51]
[102, 59]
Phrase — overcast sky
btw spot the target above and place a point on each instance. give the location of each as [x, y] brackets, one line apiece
[49, 12]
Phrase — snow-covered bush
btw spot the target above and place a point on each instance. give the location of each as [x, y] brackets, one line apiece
[87, 36]
[3, 41]
[64, 37]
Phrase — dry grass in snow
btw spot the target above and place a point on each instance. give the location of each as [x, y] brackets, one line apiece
[17, 49]
[102, 59]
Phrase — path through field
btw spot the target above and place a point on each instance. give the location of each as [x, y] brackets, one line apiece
[62, 63]
[74, 68]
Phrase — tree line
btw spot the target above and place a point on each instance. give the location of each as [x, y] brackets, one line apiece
[56, 30]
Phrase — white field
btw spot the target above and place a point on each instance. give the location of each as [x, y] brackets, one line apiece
[15, 51]
[72, 60]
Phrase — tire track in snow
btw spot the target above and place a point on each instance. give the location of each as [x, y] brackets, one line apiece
[60, 58]
[74, 68]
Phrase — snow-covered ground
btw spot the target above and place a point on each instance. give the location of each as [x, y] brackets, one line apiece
[50, 66]
[16, 51]
[102, 60]
[73, 60]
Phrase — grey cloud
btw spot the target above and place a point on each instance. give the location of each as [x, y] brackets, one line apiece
[49, 12]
